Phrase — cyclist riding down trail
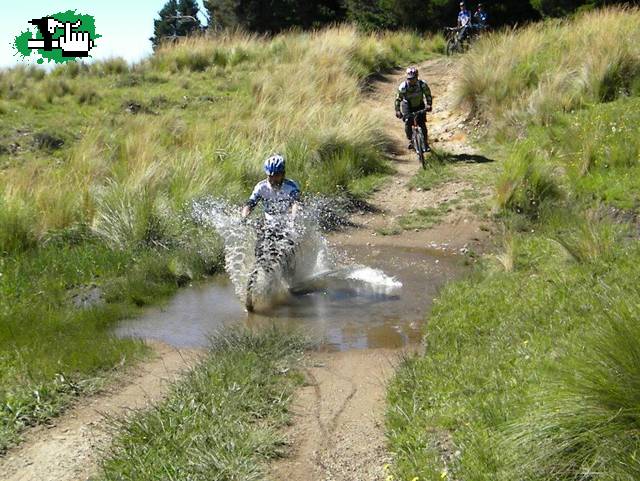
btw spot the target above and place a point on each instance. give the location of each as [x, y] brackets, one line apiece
[464, 21]
[412, 95]
[277, 238]
[481, 18]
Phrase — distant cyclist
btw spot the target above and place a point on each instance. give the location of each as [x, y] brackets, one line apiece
[414, 94]
[481, 18]
[464, 21]
[279, 195]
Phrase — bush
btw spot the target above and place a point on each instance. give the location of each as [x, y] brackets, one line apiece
[16, 227]
[526, 183]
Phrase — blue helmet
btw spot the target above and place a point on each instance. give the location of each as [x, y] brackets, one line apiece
[274, 164]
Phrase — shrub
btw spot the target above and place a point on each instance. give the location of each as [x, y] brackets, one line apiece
[526, 182]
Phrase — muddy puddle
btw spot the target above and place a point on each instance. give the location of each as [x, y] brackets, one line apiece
[377, 299]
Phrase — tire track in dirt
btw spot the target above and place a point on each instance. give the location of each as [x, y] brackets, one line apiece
[338, 423]
[70, 450]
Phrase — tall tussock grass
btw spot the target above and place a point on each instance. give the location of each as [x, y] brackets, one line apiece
[526, 183]
[586, 424]
[526, 76]
[298, 93]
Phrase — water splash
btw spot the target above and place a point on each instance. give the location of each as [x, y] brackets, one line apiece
[311, 267]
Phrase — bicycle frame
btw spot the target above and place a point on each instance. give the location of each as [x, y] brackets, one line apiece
[418, 137]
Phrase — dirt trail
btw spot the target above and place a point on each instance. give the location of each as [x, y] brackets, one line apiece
[448, 129]
[337, 432]
[338, 426]
[70, 450]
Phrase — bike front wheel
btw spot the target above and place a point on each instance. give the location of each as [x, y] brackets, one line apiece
[450, 48]
[251, 286]
[419, 145]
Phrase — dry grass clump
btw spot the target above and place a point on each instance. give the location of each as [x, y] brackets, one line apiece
[519, 77]
[299, 93]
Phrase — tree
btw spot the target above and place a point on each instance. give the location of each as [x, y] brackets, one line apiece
[222, 13]
[188, 22]
[369, 14]
[178, 18]
[558, 8]
[166, 26]
[273, 16]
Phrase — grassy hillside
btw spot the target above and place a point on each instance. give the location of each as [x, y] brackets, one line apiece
[98, 165]
[532, 366]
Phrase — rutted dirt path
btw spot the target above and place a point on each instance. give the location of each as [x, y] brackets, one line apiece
[69, 449]
[337, 433]
[338, 425]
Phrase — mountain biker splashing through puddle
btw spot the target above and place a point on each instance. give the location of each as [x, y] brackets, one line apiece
[278, 235]
[283, 254]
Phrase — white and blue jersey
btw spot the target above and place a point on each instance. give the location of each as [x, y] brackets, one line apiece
[276, 201]
[463, 18]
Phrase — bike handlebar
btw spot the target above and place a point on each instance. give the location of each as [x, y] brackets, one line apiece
[411, 115]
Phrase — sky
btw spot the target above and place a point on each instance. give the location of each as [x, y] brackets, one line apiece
[125, 26]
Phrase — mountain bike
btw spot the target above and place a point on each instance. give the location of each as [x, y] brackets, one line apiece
[275, 255]
[418, 137]
[454, 40]
[458, 40]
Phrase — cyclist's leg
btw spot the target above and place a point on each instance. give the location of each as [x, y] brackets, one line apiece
[408, 131]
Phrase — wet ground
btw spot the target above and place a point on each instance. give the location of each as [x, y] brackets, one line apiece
[344, 309]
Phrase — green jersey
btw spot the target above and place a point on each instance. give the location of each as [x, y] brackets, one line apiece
[413, 94]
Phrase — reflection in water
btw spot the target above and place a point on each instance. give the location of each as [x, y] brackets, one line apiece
[354, 307]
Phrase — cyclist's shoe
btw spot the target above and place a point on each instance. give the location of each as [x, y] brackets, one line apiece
[427, 148]
[410, 145]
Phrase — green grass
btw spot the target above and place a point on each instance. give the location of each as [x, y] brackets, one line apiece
[53, 351]
[363, 187]
[493, 343]
[426, 217]
[221, 422]
[438, 172]
[531, 365]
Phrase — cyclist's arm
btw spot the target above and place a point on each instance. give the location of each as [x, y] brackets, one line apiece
[399, 98]
[254, 198]
[296, 206]
[426, 91]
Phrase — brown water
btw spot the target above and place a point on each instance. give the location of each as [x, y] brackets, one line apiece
[341, 313]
